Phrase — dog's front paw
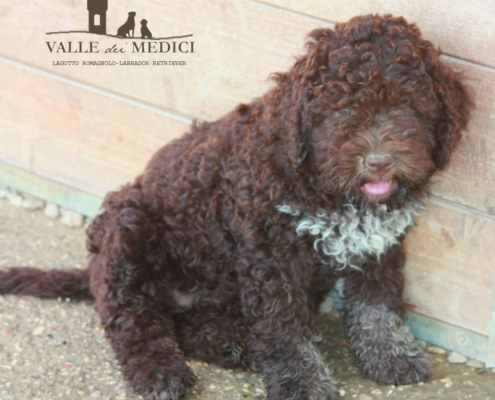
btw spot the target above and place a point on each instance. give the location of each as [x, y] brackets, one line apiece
[409, 365]
[162, 382]
[312, 385]
[300, 378]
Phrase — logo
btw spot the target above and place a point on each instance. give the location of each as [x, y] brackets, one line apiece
[134, 36]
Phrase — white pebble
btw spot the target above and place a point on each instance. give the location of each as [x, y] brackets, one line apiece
[3, 193]
[436, 350]
[363, 396]
[456, 358]
[72, 219]
[96, 394]
[32, 203]
[52, 210]
[378, 392]
[342, 392]
[475, 364]
[38, 330]
[15, 199]
[326, 306]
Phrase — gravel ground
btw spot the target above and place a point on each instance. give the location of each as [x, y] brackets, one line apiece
[55, 349]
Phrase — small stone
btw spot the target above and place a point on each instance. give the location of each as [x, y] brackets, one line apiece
[326, 306]
[475, 364]
[436, 350]
[5, 331]
[378, 392]
[240, 376]
[212, 386]
[456, 358]
[96, 394]
[38, 330]
[342, 392]
[228, 388]
[32, 203]
[72, 219]
[447, 381]
[3, 193]
[52, 210]
[15, 199]
[363, 396]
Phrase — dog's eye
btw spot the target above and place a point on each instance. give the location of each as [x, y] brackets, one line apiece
[345, 112]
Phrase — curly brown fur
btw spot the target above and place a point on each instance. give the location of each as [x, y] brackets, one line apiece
[228, 242]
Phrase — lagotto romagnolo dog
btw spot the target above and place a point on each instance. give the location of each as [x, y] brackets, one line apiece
[226, 245]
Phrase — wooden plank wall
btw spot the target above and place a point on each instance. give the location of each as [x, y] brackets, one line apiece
[94, 127]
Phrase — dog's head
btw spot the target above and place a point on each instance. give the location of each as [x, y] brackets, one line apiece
[132, 14]
[371, 110]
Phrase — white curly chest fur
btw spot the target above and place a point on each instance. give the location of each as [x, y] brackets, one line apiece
[347, 233]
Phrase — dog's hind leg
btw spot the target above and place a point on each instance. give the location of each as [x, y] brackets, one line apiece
[133, 302]
[213, 335]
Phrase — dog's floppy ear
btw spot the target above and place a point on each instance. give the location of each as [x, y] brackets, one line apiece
[300, 90]
[287, 120]
[297, 123]
[456, 103]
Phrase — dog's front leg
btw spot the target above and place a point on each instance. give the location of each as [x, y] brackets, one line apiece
[384, 347]
[280, 342]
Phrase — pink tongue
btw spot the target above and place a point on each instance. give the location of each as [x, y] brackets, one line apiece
[377, 188]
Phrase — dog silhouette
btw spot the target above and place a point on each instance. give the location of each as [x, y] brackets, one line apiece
[145, 32]
[124, 30]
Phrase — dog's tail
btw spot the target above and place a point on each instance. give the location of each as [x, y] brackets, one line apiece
[72, 284]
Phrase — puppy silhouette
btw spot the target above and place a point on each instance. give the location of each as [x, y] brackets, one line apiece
[125, 30]
[145, 32]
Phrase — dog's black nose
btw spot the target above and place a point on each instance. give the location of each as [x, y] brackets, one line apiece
[379, 163]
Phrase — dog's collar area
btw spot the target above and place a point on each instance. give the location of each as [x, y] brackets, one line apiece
[347, 235]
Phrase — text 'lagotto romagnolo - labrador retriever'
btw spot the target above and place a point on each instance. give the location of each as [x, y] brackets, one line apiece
[226, 245]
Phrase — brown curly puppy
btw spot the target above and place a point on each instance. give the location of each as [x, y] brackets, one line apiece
[226, 245]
